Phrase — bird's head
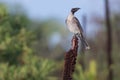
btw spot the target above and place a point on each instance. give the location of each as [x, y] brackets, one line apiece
[73, 10]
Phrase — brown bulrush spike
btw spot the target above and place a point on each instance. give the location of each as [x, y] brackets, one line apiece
[70, 60]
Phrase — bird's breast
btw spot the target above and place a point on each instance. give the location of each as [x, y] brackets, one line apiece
[72, 26]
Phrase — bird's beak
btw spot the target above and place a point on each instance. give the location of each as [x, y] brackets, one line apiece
[74, 10]
[77, 9]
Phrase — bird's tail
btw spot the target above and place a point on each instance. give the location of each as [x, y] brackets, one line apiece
[83, 40]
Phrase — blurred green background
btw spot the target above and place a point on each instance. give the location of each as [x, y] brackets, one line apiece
[34, 49]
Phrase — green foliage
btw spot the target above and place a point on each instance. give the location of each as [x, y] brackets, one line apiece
[3, 10]
[89, 74]
[17, 61]
[13, 39]
[35, 69]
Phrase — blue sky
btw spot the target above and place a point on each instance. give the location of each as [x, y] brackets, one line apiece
[59, 9]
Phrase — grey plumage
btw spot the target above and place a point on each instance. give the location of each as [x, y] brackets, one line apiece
[74, 26]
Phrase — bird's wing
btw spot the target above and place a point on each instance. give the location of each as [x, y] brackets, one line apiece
[78, 24]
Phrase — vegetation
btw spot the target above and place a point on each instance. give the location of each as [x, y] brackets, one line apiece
[17, 58]
[89, 74]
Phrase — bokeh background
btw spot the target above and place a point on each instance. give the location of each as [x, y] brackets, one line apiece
[34, 39]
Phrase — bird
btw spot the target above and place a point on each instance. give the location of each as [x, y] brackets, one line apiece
[75, 27]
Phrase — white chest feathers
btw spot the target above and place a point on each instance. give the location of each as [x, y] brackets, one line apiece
[71, 24]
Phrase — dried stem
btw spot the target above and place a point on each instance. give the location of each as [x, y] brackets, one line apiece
[70, 60]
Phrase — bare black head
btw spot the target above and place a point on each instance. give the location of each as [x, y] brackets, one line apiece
[73, 10]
